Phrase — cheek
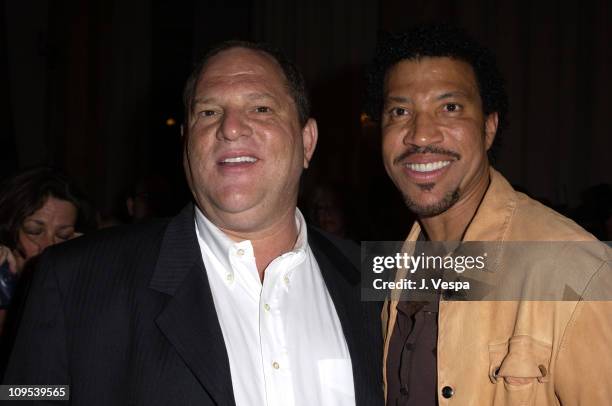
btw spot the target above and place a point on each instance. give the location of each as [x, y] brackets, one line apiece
[282, 146]
[29, 247]
[392, 146]
[199, 149]
[467, 139]
[196, 144]
[285, 163]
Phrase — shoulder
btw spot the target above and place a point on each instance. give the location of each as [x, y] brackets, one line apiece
[518, 217]
[347, 248]
[535, 221]
[105, 257]
[575, 257]
[116, 241]
[342, 255]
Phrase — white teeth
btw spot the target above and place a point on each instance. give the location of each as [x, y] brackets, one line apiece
[239, 159]
[428, 167]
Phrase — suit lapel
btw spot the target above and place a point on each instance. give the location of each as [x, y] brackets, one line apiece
[189, 320]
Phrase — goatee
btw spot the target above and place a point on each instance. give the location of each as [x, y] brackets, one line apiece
[433, 209]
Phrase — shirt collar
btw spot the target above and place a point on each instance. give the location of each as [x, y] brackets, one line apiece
[221, 246]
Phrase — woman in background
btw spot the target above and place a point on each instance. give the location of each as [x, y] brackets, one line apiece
[38, 208]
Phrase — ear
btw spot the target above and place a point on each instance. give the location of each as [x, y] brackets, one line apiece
[491, 123]
[310, 134]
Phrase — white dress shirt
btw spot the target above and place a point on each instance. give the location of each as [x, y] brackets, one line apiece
[284, 340]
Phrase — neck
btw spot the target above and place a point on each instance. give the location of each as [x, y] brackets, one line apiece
[270, 242]
[452, 224]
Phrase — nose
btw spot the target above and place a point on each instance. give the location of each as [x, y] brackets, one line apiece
[45, 241]
[234, 124]
[423, 131]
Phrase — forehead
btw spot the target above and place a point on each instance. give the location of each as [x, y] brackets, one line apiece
[241, 66]
[431, 74]
[54, 208]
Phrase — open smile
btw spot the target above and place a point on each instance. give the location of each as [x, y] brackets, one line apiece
[238, 160]
[426, 169]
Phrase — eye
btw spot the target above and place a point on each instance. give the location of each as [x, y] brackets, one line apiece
[398, 111]
[32, 230]
[452, 107]
[207, 113]
[263, 109]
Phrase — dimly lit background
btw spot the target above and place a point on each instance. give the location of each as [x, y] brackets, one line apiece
[94, 88]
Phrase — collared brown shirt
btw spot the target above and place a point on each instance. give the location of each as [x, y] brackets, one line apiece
[412, 359]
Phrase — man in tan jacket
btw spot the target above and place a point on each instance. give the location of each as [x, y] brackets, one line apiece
[441, 103]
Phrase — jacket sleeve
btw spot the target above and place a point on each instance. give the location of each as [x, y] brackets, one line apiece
[39, 355]
[584, 362]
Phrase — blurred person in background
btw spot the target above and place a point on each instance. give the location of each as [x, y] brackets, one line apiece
[153, 196]
[39, 207]
[327, 209]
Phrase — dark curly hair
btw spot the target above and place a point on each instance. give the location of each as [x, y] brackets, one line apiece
[295, 81]
[438, 41]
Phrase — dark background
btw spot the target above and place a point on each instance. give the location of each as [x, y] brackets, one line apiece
[88, 86]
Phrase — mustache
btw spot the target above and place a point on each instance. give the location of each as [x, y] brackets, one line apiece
[428, 149]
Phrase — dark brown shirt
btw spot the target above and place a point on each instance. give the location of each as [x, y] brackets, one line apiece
[412, 357]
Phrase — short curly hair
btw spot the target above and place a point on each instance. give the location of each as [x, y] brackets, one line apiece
[438, 41]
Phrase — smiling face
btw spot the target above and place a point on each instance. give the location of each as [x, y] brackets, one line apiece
[51, 224]
[245, 149]
[435, 135]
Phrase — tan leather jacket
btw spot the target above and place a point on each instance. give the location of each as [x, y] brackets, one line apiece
[561, 349]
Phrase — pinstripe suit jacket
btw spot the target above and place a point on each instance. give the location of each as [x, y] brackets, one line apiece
[126, 317]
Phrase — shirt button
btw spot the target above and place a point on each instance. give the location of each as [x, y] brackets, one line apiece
[275, 365]
[229, 277]
[240, 252]
[267, 307]
[286, 279]
[447, 392]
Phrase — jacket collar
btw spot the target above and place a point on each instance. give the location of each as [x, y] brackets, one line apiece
[189, 319]
[492, 219]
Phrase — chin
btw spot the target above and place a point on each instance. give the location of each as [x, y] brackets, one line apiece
[235, 206]
[432, 207]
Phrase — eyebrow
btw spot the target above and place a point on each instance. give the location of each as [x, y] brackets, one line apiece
[398, 99]
[254, 96]
[445, 95]
[38, 222]
[449, 95]
[42, 223]
[260, 96]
